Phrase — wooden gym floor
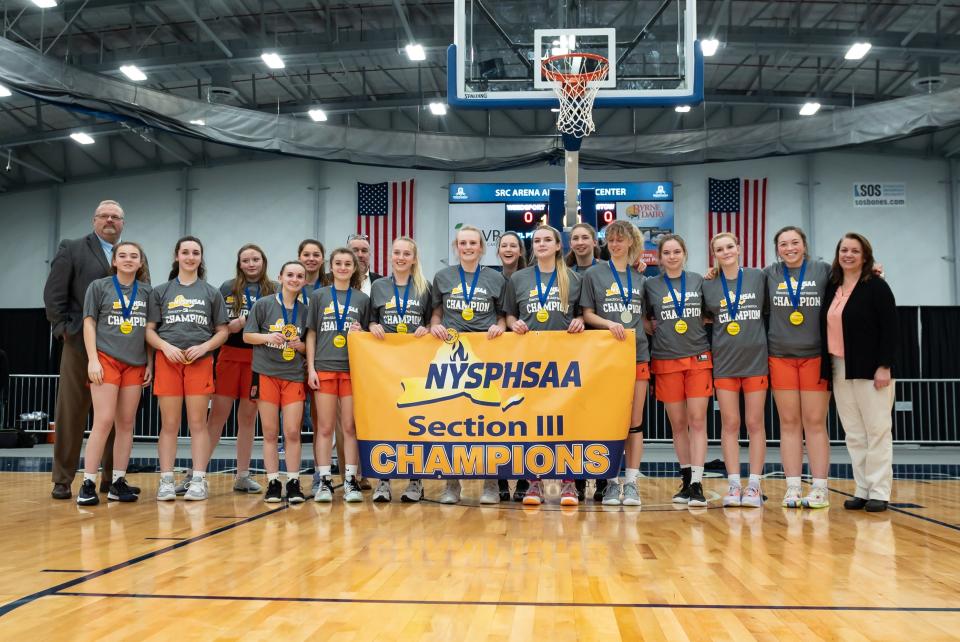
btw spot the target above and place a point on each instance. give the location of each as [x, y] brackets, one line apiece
[236, 568]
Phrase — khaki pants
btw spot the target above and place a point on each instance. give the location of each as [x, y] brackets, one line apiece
[865, 413]
[73, 406]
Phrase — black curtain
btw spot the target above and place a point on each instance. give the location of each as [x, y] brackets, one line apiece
[25, 337]
[940, 342]
[908, 350]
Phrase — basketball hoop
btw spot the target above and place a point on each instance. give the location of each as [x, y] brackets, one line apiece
[575, 78]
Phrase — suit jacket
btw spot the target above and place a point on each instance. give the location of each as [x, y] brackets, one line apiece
[78, 263]
[870, 330]
[374, 276]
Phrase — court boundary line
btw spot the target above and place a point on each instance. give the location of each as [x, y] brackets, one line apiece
[56, 590]
[901, 511]
[615, 605]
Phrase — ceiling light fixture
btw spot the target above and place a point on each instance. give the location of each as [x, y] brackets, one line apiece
[438, 109]
[133, 72]
[317, 115]
[83, 139]
[4, 92]
[682, 109]
[415, 52]
[709, 46]
[198, 121]
[857, 50]
[45, 4]
[809, 109]
[272, 60]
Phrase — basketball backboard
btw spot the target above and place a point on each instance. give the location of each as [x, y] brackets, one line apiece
[495, 61]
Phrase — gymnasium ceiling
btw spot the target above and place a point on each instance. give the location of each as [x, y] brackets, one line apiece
[347, 57]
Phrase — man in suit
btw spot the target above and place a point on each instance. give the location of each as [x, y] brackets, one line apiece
[360, 244]
[78, 263]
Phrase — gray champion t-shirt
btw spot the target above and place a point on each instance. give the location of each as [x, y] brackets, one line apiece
[486, 302]
[102, 305]
[667, 343]
[601, 294]
[784, 338]
[743, 355]
[520, 299]
[267, 317]
[235, 339]
[386, 307]
[186, 315]
[322, 319]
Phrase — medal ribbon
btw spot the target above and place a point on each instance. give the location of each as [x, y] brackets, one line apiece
[402, 309]
[340, 319]
[283, 309]
[733, 305]
[541, 295]
[625, 295]
[677, 305]
[247, 299]
[468, 294]
[794, 295]
[126, 311]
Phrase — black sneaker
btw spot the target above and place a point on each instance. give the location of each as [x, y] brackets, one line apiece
[120, 491]
[599, 490]
[504, 487]
[695, 495]
[105, 488]
[294, 494]
[520, 490]
[88, 493]
[274, 492]
[581, 486]
[682, 496]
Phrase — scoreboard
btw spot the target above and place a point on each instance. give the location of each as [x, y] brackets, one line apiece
[523, 218]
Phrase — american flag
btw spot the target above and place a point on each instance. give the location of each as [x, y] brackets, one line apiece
[384, 212]
[739, 205]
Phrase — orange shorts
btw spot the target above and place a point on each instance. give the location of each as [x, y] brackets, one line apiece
[233, 374]
[119, 373]
[736, 384]
[643, 371]
[279, 392]
[787, 373]
[682, 379]
[335, 383]
[182, 379]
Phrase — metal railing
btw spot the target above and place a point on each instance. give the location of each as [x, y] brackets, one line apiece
[926, 411]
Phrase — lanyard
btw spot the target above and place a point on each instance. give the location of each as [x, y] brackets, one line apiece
[677, 305]
[733, 305]
[340, 319]
[247, 302]
[625, 295]
[401, 309]
[794, 294]
[468, 294]
[126, 311]
[541, 295]
[283, 309]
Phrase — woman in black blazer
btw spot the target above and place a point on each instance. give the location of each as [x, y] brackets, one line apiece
[859, 334]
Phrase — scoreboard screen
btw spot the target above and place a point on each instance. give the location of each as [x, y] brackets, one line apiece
[523, 218]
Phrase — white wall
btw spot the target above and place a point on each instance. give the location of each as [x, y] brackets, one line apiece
[273, 204]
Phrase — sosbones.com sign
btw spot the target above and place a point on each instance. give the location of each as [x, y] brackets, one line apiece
[879, 194]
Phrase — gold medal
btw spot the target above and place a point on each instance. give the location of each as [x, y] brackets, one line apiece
[542, 315]
[467, 314]
[680, 326]
[126, 327]
[796, 317]
[339, 341]
[402, 328]
[733, 328]
[290, 332]
[288, 354]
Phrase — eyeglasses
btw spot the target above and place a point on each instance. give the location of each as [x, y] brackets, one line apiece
[109, 217]
[358, 237]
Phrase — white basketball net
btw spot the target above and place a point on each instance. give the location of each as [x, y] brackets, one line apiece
[576, 80]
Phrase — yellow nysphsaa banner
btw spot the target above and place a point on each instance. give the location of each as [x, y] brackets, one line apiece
[545, 404]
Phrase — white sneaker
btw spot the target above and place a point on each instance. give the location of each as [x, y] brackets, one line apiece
[752, 497]
[491, 492]
[792, 498]
[631, 496]
[817, 498]
[351, 490]
[323, 490]
[451, 494]
[167, 491]
[196, 490]
[611, 496]
[732, 498]
[382, 493]
[246, 484]
[413, 493]
[181, 487]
